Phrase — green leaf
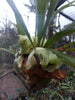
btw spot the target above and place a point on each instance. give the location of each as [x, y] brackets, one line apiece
[9, 51]
[67, 47]
[12, 97]
[63, 7]
[59, 95]
[53, 4]
[5, 94]
[41, 7]
[69, 98]
[70, 49]
[57, 37]
[20, 22]
[71, 25]
[26, 46]
[69, 44]
[51, 14]
[19, 90]
[65, 58]
[2, 72]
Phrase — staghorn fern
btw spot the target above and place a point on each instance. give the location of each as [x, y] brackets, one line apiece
[46, 59]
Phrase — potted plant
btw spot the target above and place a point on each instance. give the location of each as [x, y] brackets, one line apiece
[39, 59]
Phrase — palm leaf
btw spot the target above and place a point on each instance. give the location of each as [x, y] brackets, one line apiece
[57, 37]
[65, 58]
[20, 22]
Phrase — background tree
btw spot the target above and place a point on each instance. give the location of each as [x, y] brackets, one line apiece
[8, 40]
